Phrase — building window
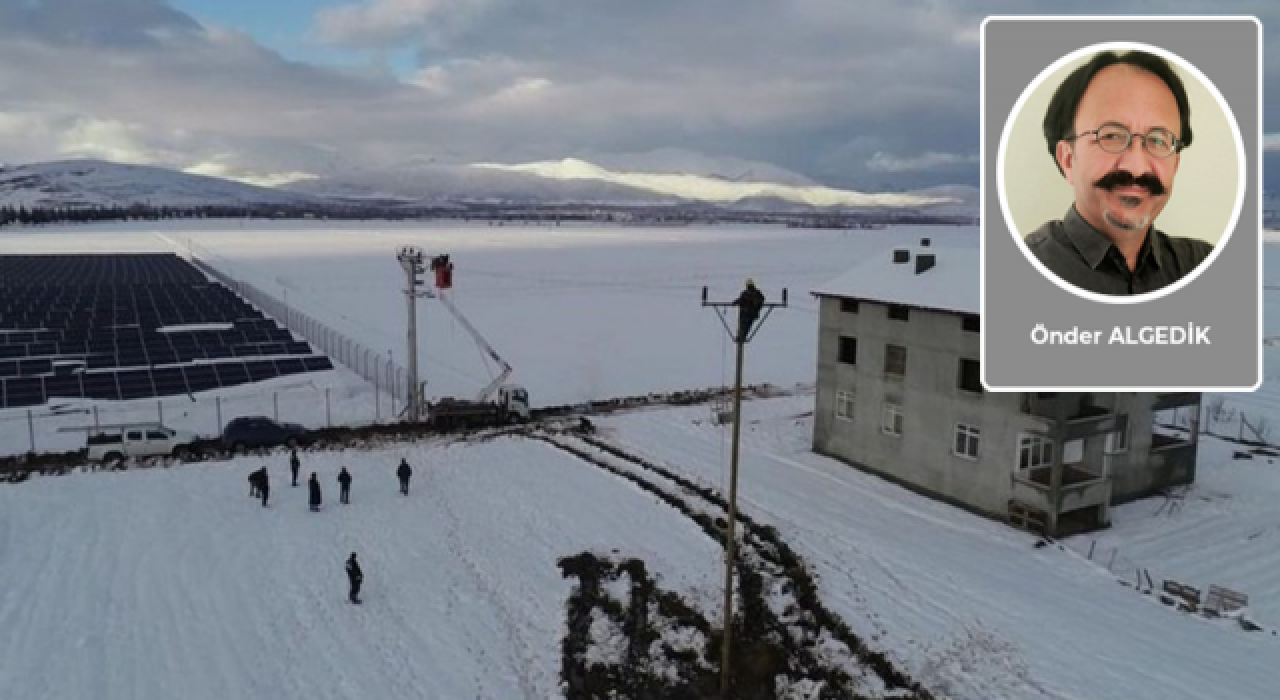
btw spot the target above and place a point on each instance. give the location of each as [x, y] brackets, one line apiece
[844, 405]
[897, 312]
[895, 360]
[891, 422]
[849, 306]
[1034, 451]
[848, 350]
[967, 440]
[972, 323]
[1118, 441]
[969, 378]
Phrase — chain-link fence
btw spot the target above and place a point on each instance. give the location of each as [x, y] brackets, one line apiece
[61, 426]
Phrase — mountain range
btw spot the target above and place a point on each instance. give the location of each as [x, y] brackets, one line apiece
[659, 178]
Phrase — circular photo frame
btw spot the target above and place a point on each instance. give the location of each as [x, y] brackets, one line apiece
[1032, 191]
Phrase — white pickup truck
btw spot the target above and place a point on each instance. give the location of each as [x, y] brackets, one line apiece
[116, 444]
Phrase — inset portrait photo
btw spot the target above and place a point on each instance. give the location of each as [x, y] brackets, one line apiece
[1121, 172]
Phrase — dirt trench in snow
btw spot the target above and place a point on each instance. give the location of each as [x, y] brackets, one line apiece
[785, 642]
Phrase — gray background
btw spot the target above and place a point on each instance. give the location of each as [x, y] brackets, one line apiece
[1017, 297]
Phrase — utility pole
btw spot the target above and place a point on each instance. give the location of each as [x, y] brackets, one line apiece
[411, 259]
[750, 303]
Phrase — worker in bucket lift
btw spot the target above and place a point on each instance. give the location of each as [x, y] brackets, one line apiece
[749, 304]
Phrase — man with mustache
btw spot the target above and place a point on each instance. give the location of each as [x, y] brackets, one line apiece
[1116, 128]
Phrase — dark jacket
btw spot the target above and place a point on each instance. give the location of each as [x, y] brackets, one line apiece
[315, 491]
[403, 471]
[293, 461]
[751, 299]
[353, 571]
[344, 478]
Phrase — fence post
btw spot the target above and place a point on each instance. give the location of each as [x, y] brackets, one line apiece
[95, 417]
[1111, 564]
[275, 405]
[217, 402]
[1091, 546]
[328, 411]
[31, 429]
[377, 400]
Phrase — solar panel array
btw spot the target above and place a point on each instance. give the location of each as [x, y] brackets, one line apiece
[131, 326]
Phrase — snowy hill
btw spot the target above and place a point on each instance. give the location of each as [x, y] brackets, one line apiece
[718, 190]
[658, 178]
[90, 183]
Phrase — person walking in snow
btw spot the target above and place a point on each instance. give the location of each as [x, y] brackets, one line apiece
[253, 484]
[294, 464]
[355, 577]
[315, 499]
[344, 484]
[264, 485]
[404, 472]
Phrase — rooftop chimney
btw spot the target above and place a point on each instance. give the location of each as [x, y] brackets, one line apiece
[924, 262]
[901, 256]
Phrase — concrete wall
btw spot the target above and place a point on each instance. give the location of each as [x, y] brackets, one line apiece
[931, 401]
[932, 404]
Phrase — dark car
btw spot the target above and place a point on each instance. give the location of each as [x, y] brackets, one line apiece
[259, 431]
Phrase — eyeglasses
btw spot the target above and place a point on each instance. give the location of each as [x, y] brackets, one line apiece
[1114, 138]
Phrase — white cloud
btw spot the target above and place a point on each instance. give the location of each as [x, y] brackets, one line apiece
[106, 139]
[930, 160]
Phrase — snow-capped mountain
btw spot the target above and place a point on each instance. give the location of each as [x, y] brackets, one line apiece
[658, 178]
[91, 183]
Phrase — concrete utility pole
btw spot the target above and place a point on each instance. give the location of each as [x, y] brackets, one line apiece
[411, 259]
[750, 303]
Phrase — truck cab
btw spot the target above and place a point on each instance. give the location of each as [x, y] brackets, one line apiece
[514, 400]
[110, 444]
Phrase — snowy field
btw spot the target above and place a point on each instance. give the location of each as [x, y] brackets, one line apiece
[580, 312]
[174, 584]
[171, 583]
[969, 605]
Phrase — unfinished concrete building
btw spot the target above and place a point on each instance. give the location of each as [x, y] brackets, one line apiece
[899, 395]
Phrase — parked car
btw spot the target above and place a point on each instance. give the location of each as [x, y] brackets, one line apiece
[259, 431]
[112, 444]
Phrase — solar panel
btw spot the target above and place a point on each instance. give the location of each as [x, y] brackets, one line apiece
[24, 391]
[101, 385]
[200, 377]
[317, 363]
[291, 366]
[63, 387]
[232, 373]
[135, 384]
[262, 369]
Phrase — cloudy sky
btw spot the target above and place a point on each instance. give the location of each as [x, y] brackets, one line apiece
[873, 94]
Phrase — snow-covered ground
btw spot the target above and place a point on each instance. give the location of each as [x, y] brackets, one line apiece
[173, 583]
[580, 312]
[169, 583]
[969, 605]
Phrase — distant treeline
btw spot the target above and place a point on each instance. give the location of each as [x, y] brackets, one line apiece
[503, 213]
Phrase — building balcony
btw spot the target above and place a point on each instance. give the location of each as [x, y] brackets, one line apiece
[1084, 419]
[1081, 488]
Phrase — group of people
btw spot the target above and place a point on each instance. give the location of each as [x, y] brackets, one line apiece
[260, 486]
[260, 482]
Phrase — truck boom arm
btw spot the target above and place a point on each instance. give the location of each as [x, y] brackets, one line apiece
[492, 386]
